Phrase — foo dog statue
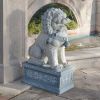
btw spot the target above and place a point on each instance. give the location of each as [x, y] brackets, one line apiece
[49, 47]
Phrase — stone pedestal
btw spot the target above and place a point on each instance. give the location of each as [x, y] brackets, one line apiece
[48, 79]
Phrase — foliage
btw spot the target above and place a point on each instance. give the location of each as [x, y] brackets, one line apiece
[72, 25]
[34, 26]
[72, 47]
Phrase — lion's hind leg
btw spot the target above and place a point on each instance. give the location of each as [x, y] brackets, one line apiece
[35, 54]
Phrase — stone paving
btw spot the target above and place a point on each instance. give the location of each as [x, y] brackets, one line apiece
[90, 41]
[87, 87]
[84, 42]
[3, 98]
[86, 77]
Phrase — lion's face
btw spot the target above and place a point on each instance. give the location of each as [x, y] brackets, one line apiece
[53, 20]
[58, 18]
[58, 22]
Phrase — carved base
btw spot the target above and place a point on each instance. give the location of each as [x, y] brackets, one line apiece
[48, 79]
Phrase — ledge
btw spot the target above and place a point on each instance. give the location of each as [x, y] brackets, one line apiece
[87, 53]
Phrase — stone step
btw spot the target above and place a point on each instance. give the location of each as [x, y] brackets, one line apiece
[12, 89]
[84, 58]
[83, 54]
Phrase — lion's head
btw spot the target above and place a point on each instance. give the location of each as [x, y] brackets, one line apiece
[53, 20]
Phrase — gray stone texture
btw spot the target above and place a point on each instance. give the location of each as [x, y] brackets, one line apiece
[12, 38]
[86, 78]
[85, 58]
[10, 90]
[87, 87]
[1, 40]
[14, 17]
[98, 16]
[1, 31]
[83, 10]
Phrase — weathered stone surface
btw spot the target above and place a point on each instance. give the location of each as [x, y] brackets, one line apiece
[49, 79]
[84, 58]
[26, 96]
[98, 16]
[34, 96]
[1, 41]
[82, 94]
[12, 38]
[84, 89]
[47, 96]
[3, 98]
[87, 86]
[12, 89]
[35, 90]
[1, 31]
[83, 11]
[49, 46]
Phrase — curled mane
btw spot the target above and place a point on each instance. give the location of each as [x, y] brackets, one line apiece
[48, 17]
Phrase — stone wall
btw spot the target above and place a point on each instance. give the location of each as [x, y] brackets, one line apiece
[83, 10]
[98, 16]
[1, 40]
[13, 39]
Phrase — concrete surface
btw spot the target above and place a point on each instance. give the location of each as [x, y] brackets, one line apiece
[86, 78]
[10, 90]
[98, 16]
[12, 39]
[83, 54]
[3, 98]
[87, 87]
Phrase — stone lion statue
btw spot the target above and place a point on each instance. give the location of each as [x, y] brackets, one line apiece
[49, 47]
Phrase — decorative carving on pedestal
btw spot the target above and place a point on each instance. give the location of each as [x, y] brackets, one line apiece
[48, 79]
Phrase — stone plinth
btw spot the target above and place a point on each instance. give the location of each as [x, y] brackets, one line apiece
[48, 79]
